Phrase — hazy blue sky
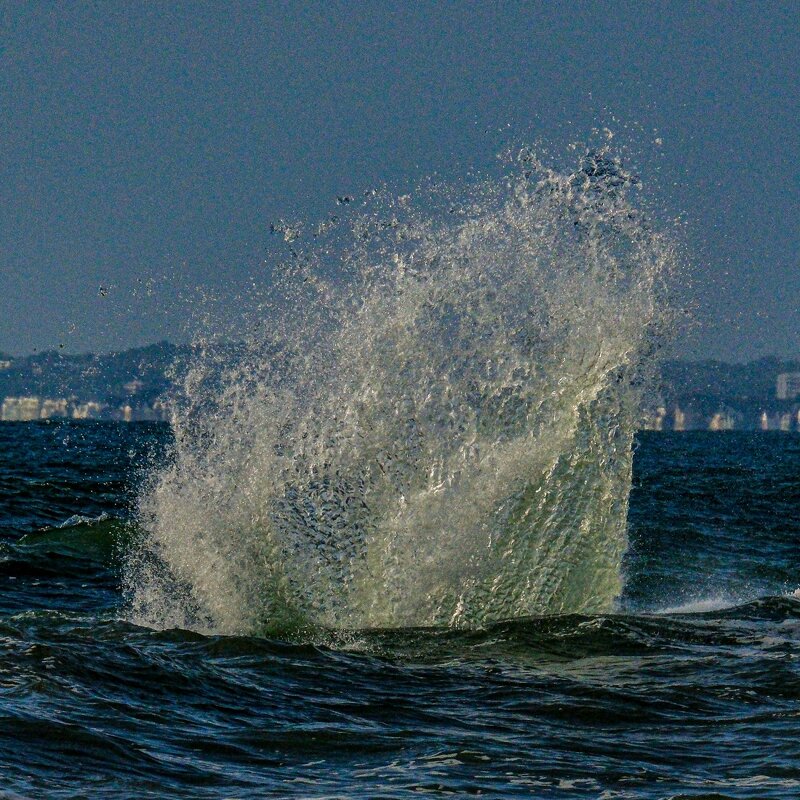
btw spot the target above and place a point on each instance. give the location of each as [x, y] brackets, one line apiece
[146, 147]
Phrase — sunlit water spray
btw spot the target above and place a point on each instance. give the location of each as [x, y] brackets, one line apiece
[433, 424]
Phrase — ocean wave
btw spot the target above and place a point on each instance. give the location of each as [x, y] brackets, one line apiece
[433, 424]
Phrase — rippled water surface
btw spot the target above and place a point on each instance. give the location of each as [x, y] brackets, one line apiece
[691, 688]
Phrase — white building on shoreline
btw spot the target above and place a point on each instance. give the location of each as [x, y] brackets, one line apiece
[20, 409]
[787, 386]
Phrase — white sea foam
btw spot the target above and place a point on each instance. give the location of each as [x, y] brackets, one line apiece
[702, 605]
[433, 424]
[81, 519]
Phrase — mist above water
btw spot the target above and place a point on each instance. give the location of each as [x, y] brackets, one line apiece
[431, 423]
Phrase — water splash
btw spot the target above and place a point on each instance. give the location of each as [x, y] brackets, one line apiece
[432, 425]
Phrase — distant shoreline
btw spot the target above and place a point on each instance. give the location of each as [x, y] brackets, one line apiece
[132, 385]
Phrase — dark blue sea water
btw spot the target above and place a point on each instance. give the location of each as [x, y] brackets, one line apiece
[690, 690]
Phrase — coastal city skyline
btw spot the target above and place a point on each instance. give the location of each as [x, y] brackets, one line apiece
[142, 384]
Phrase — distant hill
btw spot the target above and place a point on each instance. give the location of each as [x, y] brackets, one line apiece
[141, 376]
[706, 387]
[137, 376]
